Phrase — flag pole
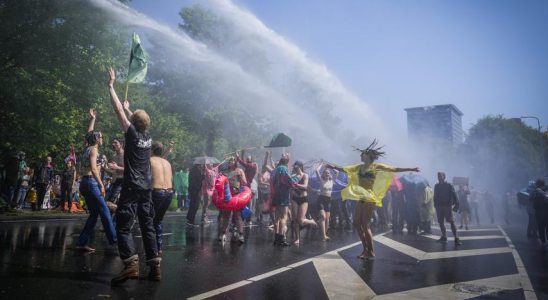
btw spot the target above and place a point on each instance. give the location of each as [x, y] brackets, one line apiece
[127, 87]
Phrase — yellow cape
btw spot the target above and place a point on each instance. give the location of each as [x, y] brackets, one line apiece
[383, 178]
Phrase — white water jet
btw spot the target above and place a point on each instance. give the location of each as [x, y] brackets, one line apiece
[276, 94]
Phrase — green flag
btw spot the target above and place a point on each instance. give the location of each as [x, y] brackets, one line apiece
[137, 61]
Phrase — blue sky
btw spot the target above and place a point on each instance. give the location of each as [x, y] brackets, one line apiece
[486, 57]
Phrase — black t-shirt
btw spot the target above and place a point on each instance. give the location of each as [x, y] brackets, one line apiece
[195, 178]
[444, 194]
[137, 153]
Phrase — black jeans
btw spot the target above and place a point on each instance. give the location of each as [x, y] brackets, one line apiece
[194, 204]
[161, 200]
[41, 189]
[66, 192]
[542, 225]
[115, 190]
[135, 202]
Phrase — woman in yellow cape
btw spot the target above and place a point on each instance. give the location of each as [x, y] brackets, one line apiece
[367, 184]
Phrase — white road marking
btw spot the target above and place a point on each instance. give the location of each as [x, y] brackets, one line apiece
[339, 280]
[272, 273]
[466, 238]
[460, 290]
[524, 277]
[423, 255]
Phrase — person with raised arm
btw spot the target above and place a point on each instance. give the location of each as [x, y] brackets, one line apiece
[324, 199]
[136, 196]
[93, 189]
[367, 184]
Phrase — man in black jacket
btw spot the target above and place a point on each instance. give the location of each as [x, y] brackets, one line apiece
[445, 199]
[195, 178]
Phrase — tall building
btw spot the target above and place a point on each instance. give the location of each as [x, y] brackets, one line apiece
[438, 123]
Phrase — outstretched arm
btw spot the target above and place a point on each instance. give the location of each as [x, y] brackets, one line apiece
[318, 174]
[127, 110]
[169, 150]
[334, 167]
[118, 109]
[92, 117]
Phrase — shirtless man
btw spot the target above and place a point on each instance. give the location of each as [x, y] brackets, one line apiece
[236, 178]
[162, 189]
[116, 169]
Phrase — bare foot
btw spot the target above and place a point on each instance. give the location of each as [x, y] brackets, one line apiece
[363, 255]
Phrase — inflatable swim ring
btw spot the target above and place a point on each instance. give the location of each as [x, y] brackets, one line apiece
[230, 202]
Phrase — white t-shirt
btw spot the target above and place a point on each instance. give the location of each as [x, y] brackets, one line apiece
[326, 188]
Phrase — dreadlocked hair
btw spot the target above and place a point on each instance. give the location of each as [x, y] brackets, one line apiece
[373, 150]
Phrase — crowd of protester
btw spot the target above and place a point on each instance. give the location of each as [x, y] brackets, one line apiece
[137, 181]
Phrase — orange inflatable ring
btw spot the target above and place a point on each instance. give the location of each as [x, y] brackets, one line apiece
[237, 202]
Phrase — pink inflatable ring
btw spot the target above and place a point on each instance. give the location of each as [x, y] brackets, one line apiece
[236, 202]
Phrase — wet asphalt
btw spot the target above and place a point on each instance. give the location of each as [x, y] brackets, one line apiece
[38, 261]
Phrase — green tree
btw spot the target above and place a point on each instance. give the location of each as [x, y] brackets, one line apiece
[503, 153]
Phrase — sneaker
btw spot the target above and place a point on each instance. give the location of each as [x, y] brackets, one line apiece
[442, 239]
[178, 210]
[460, 227]
[189, 224]
[457, 242]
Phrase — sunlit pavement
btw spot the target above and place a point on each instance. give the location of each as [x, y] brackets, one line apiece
[38, 262]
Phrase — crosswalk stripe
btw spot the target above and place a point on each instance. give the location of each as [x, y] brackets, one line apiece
[460, 290]
[466, 238]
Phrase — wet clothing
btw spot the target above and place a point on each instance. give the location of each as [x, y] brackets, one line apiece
[370, 185]
[326, 188]
[300, 200]
[161, 199]
[180, 182]
[324, 203]
[250, 170]
[89, 188]
[118, 158]
[137, 152]
[136, 196]
[208, 184]
[539, 200]
[464, 206]
[195, 179]
[281, 183]
[445, 195]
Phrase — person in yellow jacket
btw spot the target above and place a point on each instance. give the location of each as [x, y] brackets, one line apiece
[367, 184]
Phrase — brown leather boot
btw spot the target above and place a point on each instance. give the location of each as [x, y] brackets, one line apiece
[130, 271]
[155, 271]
